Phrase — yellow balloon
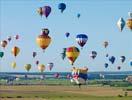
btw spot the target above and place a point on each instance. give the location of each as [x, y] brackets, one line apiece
[13, 64]
[129, 23]
[28, 67]
[72, 53]
[15, 51]
[43, 41]
[41, 67]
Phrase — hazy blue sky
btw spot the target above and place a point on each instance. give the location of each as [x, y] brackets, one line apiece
[98, 20]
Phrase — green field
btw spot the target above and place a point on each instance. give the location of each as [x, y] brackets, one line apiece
[41, 92]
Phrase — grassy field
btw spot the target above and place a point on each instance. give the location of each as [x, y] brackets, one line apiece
[41, 92]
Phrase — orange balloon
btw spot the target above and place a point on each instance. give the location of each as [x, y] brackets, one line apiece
[15, 51]
[129, 23]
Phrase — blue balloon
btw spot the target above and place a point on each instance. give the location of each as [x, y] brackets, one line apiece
[112, 59]
[62, 7]
[131, 63]
[106, 65]
[78, 15]
[67, 34]
[122, 58]
[81, 39]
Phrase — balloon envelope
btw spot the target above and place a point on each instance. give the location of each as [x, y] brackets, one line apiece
[13, 64]
[121, 23]
[15, 51]
[93, 54]
[50, 66]
[81, 39]
[72, 53]
[46, 10]
[122, 58]
[129, 23]
[62, 7]
[105, 44]
[67, 34]
[43, 41]
[78, 15]
[3, 43]
[41, 67]
[1, 54]
[112, 59]
[106, 65]
[28, 67]
[34, 54]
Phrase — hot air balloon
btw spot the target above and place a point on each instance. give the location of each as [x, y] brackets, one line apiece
[93, 54]
[81, 39]
[50, 66]
[130, 14]
[41, 67]
[63, 54]
[112, 59]
[43, 41]
[118, 67]
[56, 75]
[78, 15]
[34, 54]
[105, 44]
[122, 58]
[107, 55]
[9, 38]
[72, 53]
[28, 67]
[1, 54]
[13, 64]
[16, 37]
[4, 43]
[40, 11]
[45, 31]
[46, 10]
[62, 7]
[131, 63]
[15, 51]
[37, 62]
[106, 65]
[121, 23]
[67, 34]
[129, 23]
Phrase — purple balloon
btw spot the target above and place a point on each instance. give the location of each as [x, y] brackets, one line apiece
[46, 10]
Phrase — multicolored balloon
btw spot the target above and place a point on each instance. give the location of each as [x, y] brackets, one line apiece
[15, 51]
[50, 66]
[72, 53]
[62, 7]
[121, 23]
[46, 10]
[81, 39]
[16, 37]
[112, 59]
[56, 75]
[43, 41]
[3, 43]
[40, 11]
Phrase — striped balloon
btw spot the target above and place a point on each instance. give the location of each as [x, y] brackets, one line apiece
[72, 53]
[81, 39]
[15, 51]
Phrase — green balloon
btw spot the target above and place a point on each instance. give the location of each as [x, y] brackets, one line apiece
[1, 54]
[28, 67]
